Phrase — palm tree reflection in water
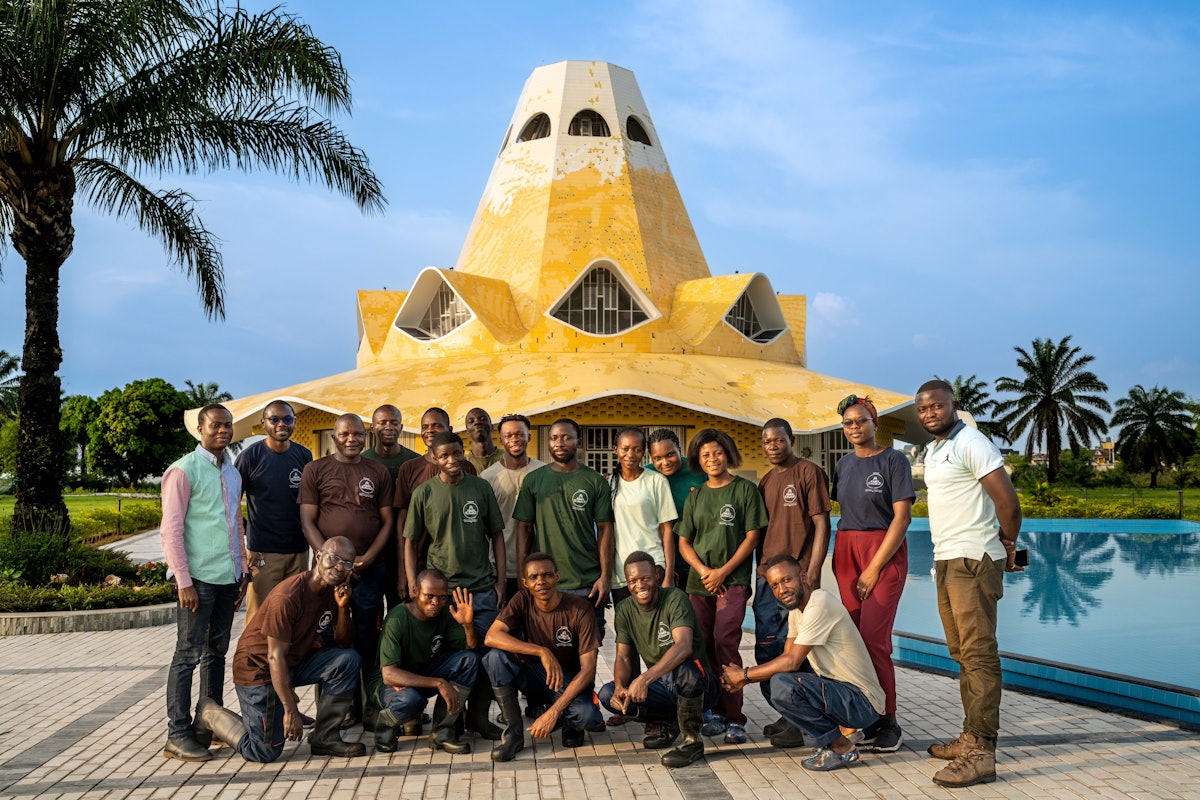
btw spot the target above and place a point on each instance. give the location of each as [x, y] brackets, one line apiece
[1065, 572]
[1162, 555]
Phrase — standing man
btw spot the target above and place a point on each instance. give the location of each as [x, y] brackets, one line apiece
[565, 509]
[271, 471]
[840, 695]
[385, 424]
[303, 635]
[545, 643]
[796, 493]
[506, 477]
[483, 452]
[974, 519]
[659, 625]
[344, 494]
[204, 544]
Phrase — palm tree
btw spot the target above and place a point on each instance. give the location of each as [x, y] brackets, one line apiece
[972, 396]
[1157, 429]
[1054, 394]
[9, 380]
[203, 394]
[94, 95]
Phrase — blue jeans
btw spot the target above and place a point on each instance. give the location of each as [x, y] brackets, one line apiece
[689, 679]
[599, 611]
[334, 668]
[459, 667]
[486, 607]
[202, 637]
[770, 628]
[817, 706]
[504, 668]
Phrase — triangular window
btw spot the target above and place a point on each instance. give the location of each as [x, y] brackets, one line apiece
[536, 128]
[600, 304]
[759, 322]
[445, 312]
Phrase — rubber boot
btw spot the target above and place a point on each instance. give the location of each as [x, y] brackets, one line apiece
[512, 741]
[325, 739]
[387, 730]
[225, 725]
[668, 730]
[444, 736]
[478, 704]
[691, 749]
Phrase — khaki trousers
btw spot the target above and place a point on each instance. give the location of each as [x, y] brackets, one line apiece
[268, 570]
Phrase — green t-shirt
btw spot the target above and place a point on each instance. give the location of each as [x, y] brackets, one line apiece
[411, 644]
[716, 521]
[682, 484]
[649, 632]
[461, 519]
[563, 508]
[391, 462]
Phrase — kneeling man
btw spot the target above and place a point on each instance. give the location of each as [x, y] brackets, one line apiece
[302, 634]
[546, 644]
[841, 695]
[659, 625]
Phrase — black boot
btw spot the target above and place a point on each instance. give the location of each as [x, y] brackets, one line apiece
[325, 739]
[444, 736]
[387, 730]
[223, 724]
[512, 741]
[478, 704]
[691, 717]
[668, 731]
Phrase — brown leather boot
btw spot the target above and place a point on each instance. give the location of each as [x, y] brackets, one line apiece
[975, 765]
[948, 751]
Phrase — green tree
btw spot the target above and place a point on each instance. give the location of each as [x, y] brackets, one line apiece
[8, 446]
[1157, 430]
[1056, 393]
[972, 396]
[78, 412]
[203, 394]
[9, 380]
[137, 431]
[93, 96]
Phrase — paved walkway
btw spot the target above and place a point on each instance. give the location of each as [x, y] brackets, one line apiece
[84, 717]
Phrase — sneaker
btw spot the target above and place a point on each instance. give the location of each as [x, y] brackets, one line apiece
[871, 731]
[977, 765]
[714, 726]
[887, 739]
[617, 719]
[735, 734]
[825, 760]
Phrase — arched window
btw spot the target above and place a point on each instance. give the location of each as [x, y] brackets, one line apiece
[536, 128]
[588, 123]
[600, 304]
[635, 131]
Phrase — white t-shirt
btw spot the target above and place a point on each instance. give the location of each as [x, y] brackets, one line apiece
[962, 517]
[838, 652]
[506, 484]
[639, 507]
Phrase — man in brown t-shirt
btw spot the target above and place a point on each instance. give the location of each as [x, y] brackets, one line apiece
[347, 495]
[796, 493]
[545, 644]
[302, 634]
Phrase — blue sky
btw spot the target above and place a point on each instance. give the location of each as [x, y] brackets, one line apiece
[943, 181]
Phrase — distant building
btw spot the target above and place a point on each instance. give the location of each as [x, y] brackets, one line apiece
[581, 291]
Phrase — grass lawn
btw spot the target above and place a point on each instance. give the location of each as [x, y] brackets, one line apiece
[78, 503]
[1191, 497]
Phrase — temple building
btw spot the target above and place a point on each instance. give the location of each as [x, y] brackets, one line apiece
[581, 291]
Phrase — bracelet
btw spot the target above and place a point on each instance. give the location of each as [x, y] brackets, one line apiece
[746, 674]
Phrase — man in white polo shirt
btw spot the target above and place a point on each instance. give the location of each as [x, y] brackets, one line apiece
[974, 518]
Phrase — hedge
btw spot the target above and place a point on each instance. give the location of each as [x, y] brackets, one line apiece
[16, 597]
[1077, 508]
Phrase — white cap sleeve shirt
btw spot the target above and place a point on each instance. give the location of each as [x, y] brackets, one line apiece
[962, 517]
[838, 652]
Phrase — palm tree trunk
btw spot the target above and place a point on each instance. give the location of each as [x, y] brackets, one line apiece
[43, 235]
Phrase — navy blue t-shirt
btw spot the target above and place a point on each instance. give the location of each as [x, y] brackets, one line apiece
[866, 488]
[271, 482]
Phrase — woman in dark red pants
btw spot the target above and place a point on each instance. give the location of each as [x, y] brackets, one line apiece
[874, 489]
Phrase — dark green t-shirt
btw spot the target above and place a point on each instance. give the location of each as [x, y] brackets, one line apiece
[563, 508]
[716, 521]
[461, 519]
[682, 484]
[411, 644]
[649, 632]
[391, 462]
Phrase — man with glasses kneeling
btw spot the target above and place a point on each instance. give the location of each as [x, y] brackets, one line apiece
[302, 634]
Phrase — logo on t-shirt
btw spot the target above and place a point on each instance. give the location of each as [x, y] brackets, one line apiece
[436, 645]
[789, 495]
[323, 622]
[579, 500]
[563, 637]
[728, 515]
[294, 478]
[875, 482]
[366, 488]
[665, 639]
[470, 511]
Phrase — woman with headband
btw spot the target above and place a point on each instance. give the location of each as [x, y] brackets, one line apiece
[874, 488]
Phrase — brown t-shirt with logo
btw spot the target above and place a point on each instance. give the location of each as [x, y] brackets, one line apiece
[793, 497]
[349, 496]
[292, 614]
[568, 630]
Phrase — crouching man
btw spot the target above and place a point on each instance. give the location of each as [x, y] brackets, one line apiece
[545, 644]
[831, 704]
[302, 634]
[678, 685]
[435, 644]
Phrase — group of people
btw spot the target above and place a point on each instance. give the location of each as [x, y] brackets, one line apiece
[495, 571]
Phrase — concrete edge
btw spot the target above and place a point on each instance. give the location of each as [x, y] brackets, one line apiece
[104, 619]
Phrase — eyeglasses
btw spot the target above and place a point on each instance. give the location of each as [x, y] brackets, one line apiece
[338, 563]
[855, 423]
[289, 420]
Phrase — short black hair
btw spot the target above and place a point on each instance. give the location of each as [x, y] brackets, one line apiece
[210, 408]
[440, 411]
[630, 431]
[278, 403]
[637, 556]
[572, 423]
[934, 385]
[781, 558]
[444, 438]
[733, 458]
[664, 435]
[539, 556]
[521, 418]
[436, 574]
[782, 424]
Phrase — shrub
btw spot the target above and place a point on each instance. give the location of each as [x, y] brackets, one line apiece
[1067, 507]
[19, 597]
[35, 557]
